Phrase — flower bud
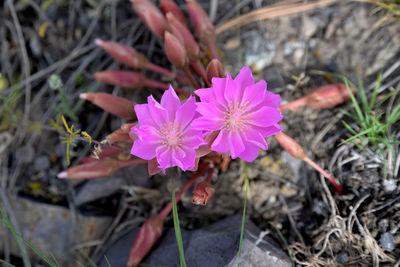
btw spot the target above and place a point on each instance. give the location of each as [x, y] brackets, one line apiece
[290, 145]
[151, 16]
[169, 6]
[185, 37]
[126, 127]
[124, 78]
[145, 239]
[124, 54]
[202, 193]
[116, 105]
[215, 69]
[119, 136]
[328, 96]
[175, 51]
[93, 169]
[202, 25]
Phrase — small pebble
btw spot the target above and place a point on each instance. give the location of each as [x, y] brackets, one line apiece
[342, 257]
[41, 163]
[387, 242]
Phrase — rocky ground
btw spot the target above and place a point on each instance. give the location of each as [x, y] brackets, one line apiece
[304, 221]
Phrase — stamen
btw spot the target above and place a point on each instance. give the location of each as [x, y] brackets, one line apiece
[171, 135]
[235, 116]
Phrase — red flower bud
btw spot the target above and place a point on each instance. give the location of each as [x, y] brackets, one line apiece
[202, 193]
[151, 16]
[215, 69]
[184, 36]
[124, 54]
[124, 78]
[105, 152]
[145, 239]
[202, 25]
[93, 169]
[169, 6]
[290, 145]
[326, 96]
[175, 51]
[116, 105]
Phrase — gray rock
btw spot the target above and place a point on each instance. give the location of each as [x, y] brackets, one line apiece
[213, 246]
[41, 163]
[342, 257]
[387, 242]
[273, 75]
[53, 229]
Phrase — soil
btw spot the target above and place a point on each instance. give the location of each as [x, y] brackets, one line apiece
[314, 224]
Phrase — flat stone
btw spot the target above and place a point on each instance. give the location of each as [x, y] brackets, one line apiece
[214, 246]
[387, 242]
[53, 229]
[41, 163]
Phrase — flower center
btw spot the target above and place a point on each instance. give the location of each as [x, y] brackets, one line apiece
[171, 135]
[235, 116]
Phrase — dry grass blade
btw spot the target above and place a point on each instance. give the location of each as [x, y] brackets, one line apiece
[271, 12]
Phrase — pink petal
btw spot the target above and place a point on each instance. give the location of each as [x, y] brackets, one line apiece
[164, 157]
[144, 150]
[250, 153]
[254, 94]
[236, 144]
[265, 116]
[205, 94]
[210, 111]
[270, 130]
[177, 156]
[232, 91]
[218, 90]
[143, 114]
[170, 102]
[221, 143]
[157, 112]
[245, 77]
[186, 112]
[272, 100]
[206, 125]
[255, 137]
[193, 140]
[147, 134]
[188, 161]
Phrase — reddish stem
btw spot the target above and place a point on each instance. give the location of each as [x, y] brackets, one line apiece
[324, 173]
[209, 176]
[191, 78]
[167, 209]
[156, 68]
[156, 84]
[198, 68]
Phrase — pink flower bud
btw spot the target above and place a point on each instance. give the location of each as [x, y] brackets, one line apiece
[116, 105]
[184, 36]
[93, 169]
[145, 239]
[326, 96]
[124, 54]
[202, 193]
[290, 145]
[175, 51]
[215, 69]
[151, 16]
[202, 25]
[119, 136]
[169, 6]
[124, 78]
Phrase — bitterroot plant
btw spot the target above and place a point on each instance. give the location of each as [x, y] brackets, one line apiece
[224, 118]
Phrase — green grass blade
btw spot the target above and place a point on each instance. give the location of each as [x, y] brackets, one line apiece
[107, 261]
[355, 103]
[178, 233]
[363, 96]
[246, 182]
[348, 127]
[6, 263]
[5, 220]
[375, 92]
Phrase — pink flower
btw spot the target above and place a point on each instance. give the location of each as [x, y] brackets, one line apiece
[165, 131]
[243, 112]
